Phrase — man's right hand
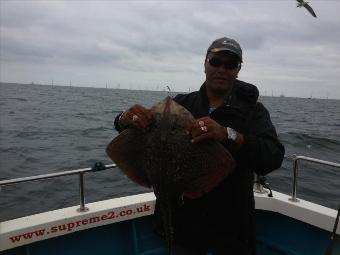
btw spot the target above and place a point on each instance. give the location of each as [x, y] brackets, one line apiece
[136, 116]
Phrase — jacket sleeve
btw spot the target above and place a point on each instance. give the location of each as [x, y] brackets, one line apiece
[261, 151]
[116, 123]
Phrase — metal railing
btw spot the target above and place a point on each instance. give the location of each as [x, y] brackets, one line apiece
[100, 167]
[296, 159]
[97, 167]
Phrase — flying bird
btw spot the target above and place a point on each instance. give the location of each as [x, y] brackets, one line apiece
[303, 3]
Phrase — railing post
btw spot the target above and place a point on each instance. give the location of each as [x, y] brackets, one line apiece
[294, 184]
[82, 207]
[97, 167]
[258, 187]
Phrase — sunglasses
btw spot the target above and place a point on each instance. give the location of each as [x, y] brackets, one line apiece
[217, 62]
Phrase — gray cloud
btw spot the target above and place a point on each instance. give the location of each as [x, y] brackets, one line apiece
[158, 41]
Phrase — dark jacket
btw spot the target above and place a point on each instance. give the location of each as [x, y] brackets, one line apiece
[223, 219]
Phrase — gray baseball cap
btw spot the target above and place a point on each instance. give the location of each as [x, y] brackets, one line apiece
[226, 44]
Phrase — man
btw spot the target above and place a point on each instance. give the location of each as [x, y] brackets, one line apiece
[226, 110]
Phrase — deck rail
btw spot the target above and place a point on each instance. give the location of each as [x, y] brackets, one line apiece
[100, 167]
[80, 172]
[296, 160]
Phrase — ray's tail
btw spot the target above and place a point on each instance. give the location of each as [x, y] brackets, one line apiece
[167, 224]
[165, 205]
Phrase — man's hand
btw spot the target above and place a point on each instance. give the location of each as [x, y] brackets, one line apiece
[136, 116]
[206, 128]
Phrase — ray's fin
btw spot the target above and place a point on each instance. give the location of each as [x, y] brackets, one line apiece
[124, 150]
[214, 163]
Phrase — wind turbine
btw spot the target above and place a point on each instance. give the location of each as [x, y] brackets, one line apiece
[304, 3]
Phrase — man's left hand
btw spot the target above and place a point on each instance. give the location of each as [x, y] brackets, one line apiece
[206, 128]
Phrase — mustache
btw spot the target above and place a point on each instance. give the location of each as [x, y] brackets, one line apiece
[220, 77]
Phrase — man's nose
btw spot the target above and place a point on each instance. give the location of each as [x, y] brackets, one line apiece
[222, 69]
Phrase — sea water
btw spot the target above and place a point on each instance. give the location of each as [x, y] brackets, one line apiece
[47, 129]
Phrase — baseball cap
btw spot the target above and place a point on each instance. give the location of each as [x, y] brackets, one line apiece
[226, 44]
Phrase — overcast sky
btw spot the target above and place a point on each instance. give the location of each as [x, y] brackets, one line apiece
[153, 44]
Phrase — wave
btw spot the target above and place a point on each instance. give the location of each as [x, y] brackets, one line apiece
[303, 138]
[18, 99]
[61, 128]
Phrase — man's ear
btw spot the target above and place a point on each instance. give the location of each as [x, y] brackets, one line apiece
[238, 71]
[205, 62]
[239, 68]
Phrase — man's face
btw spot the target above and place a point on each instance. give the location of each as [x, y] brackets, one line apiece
[221, 69]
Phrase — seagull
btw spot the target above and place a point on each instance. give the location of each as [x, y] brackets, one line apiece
[307, 6]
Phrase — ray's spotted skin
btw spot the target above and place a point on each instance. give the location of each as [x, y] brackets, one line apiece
[164, 157]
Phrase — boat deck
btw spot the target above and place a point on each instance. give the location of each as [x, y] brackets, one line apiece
[278, 232]
[123, 226]
[276, 235]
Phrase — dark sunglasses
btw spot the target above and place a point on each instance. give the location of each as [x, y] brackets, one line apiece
[217, 62]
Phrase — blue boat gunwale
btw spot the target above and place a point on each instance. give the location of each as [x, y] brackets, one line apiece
[47, 225]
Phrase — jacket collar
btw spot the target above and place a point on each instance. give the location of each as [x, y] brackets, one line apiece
[241, 90]
[205, 100]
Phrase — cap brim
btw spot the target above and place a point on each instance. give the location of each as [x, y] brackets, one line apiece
[226, 49]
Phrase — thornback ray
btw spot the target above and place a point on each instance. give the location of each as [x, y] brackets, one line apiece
[163, 157]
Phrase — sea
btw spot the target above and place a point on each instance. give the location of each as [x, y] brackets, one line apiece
[47, 129]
